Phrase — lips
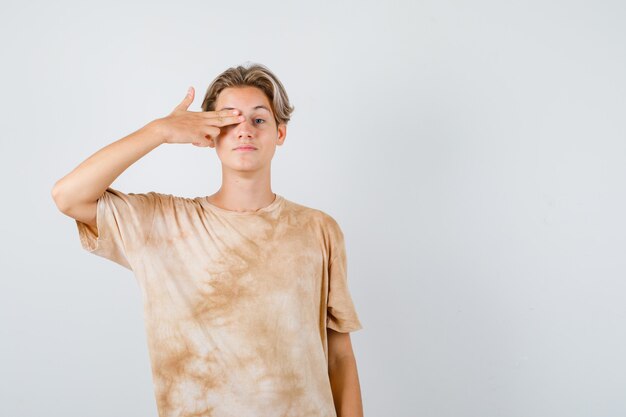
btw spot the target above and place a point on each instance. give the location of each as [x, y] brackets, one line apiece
[245, 147]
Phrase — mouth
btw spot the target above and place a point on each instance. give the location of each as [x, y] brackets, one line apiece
[245, 148]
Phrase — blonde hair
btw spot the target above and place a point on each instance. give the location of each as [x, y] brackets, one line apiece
[254, 75]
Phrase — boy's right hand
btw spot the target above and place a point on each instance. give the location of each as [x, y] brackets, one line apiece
[199, 128]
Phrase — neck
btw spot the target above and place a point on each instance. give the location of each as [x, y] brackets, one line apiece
[243, 191]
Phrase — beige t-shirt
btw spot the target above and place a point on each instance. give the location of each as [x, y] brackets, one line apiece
[236, 305]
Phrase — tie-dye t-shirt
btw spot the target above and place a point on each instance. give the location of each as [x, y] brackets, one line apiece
[236, 304]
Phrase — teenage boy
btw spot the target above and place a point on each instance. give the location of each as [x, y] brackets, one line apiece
[245, 294]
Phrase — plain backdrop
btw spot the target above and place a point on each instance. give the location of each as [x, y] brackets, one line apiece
[472, 152]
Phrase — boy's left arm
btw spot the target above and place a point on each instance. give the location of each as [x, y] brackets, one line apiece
[344, 379]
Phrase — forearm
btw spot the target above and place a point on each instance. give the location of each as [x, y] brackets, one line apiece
[344, 381]
[89, 180]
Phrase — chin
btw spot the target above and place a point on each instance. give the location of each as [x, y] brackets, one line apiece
[245, 167]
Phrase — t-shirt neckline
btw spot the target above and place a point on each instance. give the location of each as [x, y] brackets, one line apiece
[274, 204]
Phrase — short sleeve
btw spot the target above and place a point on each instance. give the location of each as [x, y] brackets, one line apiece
[341, 313]
[123, 226]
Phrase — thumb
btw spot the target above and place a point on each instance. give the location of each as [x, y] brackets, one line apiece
[184, 105]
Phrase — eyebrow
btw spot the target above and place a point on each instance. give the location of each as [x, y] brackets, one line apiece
[260, 106]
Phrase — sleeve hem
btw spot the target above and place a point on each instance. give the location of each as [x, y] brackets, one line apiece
[102, 241]
[88, 239]
[343, 326]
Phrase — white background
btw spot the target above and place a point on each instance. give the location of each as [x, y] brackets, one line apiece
[472, 152]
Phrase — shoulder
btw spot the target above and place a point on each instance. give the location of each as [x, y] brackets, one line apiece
[321, 218]
[129, 195]
[156, 201]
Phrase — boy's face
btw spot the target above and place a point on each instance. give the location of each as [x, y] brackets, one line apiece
[258, 130]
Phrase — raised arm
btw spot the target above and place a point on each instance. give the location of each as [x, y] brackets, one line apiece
[77, 193]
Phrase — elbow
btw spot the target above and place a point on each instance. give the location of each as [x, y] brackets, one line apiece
[57, 197]
[339, 361]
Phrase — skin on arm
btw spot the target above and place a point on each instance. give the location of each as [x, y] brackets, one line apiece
[77, 193]
[342, 371]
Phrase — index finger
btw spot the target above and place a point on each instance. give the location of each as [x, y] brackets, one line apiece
[221, 114]
[224, 112]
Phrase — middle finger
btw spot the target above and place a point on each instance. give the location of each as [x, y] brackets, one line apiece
[219, 120]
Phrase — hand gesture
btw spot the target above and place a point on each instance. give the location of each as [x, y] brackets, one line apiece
[199, 128]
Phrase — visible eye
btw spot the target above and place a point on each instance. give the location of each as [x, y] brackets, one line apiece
[260, 119]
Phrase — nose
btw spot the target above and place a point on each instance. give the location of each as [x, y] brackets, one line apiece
[244, 129]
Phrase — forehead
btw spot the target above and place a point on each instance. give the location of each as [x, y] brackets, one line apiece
[242, 98]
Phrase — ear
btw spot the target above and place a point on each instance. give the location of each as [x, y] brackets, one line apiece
[281, 134]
